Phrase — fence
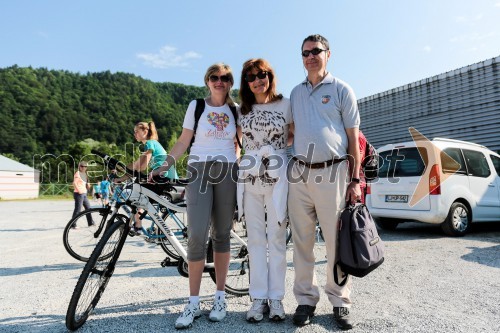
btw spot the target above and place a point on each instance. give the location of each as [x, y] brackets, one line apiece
[55, 189]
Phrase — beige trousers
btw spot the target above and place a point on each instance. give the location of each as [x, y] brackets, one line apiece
[316, 194]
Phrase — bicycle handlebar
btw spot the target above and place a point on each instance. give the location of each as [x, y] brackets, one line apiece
[113, 163]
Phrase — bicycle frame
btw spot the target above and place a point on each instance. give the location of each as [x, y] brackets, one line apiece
[141, 197]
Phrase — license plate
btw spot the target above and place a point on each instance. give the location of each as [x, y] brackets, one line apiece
[396, 198]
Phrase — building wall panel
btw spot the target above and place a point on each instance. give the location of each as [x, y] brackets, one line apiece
[463, 104]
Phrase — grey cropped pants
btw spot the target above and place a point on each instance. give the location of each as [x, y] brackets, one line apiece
[211, 202]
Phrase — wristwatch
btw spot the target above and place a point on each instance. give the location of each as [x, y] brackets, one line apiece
[355, 180]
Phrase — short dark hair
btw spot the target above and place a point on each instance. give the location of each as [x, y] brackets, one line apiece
[316, 38]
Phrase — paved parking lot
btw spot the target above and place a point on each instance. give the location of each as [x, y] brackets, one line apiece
[429, 282]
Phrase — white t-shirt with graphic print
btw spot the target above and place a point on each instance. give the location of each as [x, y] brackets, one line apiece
[214, 138]
[266, 124]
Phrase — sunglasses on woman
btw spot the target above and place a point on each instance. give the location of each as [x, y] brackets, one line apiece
[251, 77]
[222, 78]
[314, 51]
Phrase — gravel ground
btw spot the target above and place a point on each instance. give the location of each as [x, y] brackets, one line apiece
[428, 283]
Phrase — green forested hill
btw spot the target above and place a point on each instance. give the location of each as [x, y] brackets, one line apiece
[50, 111]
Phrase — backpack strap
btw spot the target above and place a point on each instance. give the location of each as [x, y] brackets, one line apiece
[367, 152]
[235, 115]
[200, 107]
[198, 111]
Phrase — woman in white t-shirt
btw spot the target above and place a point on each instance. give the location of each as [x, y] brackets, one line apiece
[211, 192]
[265, 122]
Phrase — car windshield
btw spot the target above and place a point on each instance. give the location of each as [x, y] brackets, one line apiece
[402, 162]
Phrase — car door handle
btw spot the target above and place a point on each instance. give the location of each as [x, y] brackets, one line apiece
[491, 185]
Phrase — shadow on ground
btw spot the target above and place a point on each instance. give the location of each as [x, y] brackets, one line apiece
[489, 256]
[415, 230]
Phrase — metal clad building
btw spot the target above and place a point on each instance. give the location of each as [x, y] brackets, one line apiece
[462, 104]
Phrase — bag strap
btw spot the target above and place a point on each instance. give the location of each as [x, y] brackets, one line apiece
[336, 276]
[336, 267]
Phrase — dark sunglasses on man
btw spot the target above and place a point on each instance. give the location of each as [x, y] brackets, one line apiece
[222, 78]
[314, 51]
[251, 77]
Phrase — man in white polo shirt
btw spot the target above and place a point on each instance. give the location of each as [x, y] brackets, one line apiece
[326, 121]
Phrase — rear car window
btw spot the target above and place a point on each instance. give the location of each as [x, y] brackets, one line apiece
[496, 163]
[402, 162]
[450, 166]
[477, 165]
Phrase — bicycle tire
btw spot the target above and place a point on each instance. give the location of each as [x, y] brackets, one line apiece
[79, 242]
[319, 233]
[238, 276]
[95, 276]
[180, 231]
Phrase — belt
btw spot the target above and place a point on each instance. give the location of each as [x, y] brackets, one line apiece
[263, 178]
[319, 165]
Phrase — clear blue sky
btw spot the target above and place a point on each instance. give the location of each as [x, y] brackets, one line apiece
[376, 45]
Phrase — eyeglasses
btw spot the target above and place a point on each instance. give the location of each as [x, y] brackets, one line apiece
[83, 166]
[314, 51]
[251, 77]
[222, 78]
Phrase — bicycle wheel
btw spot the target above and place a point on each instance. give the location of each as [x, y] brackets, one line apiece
[95, 276]
[238, 276]
[178, 228]
[80, 237]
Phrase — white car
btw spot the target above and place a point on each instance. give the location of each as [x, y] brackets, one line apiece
[453, 195]
[176, 195]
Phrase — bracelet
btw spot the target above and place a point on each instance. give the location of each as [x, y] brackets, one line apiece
[355, 180]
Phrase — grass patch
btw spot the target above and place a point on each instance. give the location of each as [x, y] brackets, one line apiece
[56, 197]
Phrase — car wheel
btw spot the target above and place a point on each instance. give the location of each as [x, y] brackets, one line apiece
[458, 221]
[386, 223]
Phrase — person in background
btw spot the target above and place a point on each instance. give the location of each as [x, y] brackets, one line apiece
[326, 119]
[152, 157]
[105, 191]
[97, 192]
[264, 121]
[81, 186]
[211, 192]
[112, 175]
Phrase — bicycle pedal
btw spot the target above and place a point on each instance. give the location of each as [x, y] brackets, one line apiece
[167, 262]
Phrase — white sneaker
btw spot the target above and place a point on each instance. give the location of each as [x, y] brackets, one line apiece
[257, 310]
[191, 312]
[277, 312]
[218, 310]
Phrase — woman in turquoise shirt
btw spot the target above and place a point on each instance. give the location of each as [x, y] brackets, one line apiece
[152, 157]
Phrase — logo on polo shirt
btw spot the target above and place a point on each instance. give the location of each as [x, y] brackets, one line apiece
[325, 99]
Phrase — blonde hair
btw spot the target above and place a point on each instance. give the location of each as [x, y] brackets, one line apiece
[218, 67]
[150, 127]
